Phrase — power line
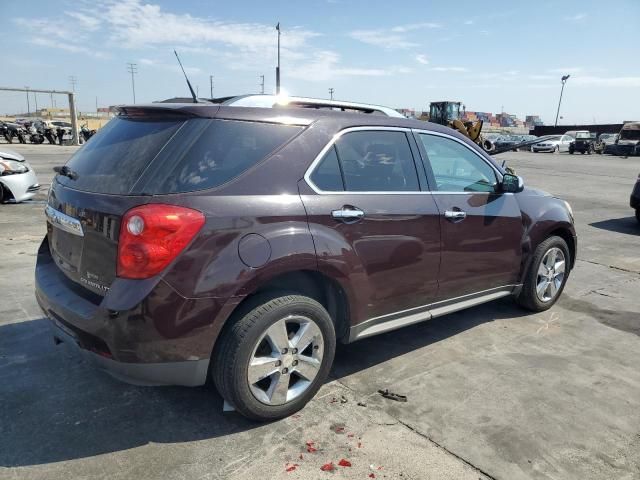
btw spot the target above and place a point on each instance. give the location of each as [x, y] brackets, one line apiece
[132, 68]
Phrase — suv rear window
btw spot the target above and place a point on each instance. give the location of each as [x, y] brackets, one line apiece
[116, 156]
[143, 156]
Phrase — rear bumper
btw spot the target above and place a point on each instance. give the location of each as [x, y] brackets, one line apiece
[22, 186]
[146, 335]
[188, 373]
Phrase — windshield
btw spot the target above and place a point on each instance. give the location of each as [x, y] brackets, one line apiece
[630, 135]
[583, 135]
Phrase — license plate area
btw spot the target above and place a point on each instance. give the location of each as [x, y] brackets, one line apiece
[66, 248]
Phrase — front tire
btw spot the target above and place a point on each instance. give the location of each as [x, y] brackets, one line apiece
[638, 214]
[271, 361]
[547, 275]
[557, 149]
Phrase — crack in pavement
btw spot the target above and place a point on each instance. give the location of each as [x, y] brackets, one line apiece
[429, 439]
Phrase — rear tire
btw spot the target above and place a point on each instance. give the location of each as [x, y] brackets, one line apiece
[638, 214]
[256, 340]
[538, 293]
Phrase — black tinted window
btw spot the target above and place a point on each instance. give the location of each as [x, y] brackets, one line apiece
[456, 168]
[117, 155]
[208, 153]
[377, 161]
[327, 174]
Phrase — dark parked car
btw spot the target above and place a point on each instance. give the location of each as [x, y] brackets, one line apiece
[584, 143]
[188, 241]
[635, 199]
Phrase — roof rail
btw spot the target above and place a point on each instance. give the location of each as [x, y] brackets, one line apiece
[273, 101]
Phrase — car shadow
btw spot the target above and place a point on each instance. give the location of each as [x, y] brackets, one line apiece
[57, 406]
[628, 225]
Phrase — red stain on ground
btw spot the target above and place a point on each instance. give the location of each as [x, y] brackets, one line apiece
[328, 467]
[291, 467]
[344, 463]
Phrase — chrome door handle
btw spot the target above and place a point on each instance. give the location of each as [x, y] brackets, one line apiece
[455, 215]
[347, 214]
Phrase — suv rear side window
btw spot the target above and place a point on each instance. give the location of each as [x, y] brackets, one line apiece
[377, 161]
[220, 151]
[456, 168]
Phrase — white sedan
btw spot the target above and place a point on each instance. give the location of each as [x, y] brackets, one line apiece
[18, 181]
[556, 144]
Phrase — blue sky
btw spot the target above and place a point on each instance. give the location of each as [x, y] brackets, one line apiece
[489, 55]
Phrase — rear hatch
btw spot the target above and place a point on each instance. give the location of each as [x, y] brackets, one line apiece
[144, 156]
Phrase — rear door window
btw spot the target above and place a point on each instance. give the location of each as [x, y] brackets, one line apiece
[377, 161]
[327, 175]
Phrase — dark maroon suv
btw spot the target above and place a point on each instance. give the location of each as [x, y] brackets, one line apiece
[191, 241]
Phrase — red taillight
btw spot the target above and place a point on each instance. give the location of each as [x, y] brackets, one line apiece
[151, 236]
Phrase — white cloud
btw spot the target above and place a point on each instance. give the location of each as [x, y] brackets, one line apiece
[565, 70]
[450, 69]
[415, 26]
[422, 59]
[391, 38]
[84, 21]
[468, 22]
[577, 17]
[541, 77]
[68, 47]
[326, 65]
[606, 81]
[168, 66]
[135, 24]
[382, 38]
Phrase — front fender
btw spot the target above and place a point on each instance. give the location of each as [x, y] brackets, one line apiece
[543, 216]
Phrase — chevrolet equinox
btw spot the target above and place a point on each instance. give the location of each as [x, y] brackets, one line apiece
[194, 241]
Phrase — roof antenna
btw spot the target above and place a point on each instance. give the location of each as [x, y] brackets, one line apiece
[193, 94]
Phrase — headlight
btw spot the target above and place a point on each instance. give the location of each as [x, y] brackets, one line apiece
[568, 205]
[9, 167]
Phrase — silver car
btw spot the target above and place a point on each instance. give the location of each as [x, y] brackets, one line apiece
[18, 181]
[559, 143]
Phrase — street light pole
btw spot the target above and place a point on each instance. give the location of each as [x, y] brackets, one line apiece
[261, 84]
[28, 104]
[278, 67]
[564, 80]
[211, 85]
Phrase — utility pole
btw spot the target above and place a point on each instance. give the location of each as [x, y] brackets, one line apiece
[278, 67]
[28, 104]
[35, 100]
[132, 68]
[331, 90]
[96, 104]
[73, 80]
[563, 80]
[52, 104]
[261, 84]
[211, 85]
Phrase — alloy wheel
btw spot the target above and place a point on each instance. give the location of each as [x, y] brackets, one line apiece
[551, 272]
[285, 360]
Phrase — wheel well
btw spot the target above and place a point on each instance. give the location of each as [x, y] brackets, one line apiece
[313, 284]
[568, 238]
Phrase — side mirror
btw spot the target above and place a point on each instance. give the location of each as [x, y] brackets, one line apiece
[512, 183]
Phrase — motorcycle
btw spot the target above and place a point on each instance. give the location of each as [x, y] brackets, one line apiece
[86, 133]
[36, 132]
[50, 134]
[11, 130]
